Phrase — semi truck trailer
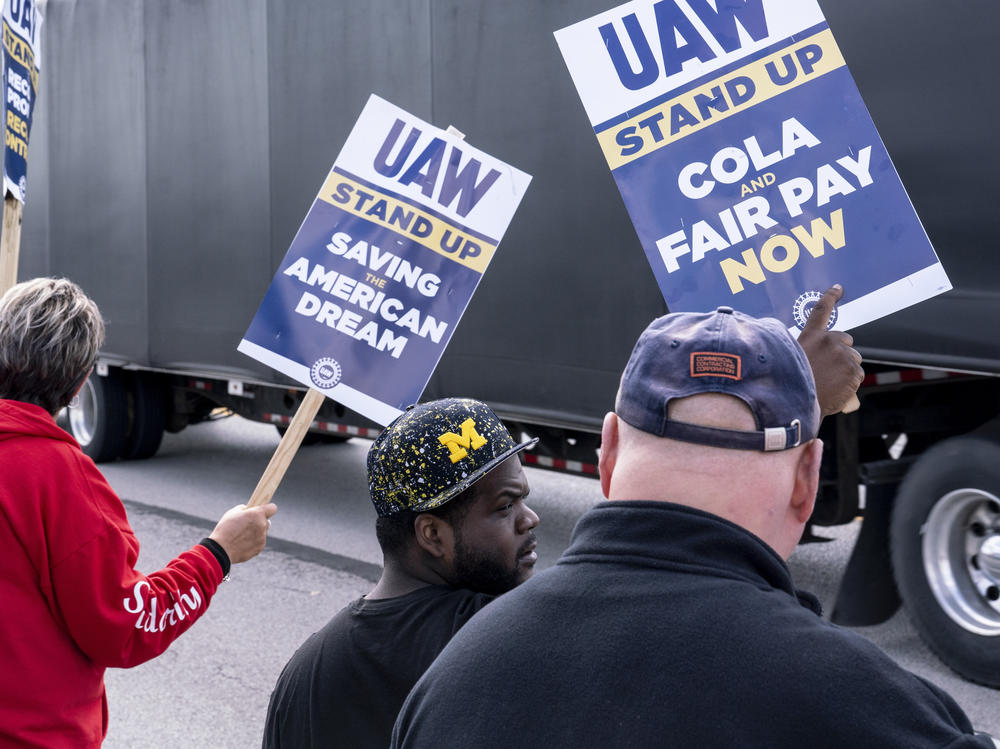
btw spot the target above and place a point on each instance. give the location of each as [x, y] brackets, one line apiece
[176, 147]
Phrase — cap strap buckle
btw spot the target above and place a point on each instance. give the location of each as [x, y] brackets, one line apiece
[780, 438]
[775, 438]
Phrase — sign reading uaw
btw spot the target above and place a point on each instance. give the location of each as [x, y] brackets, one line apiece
[385, 262]
[747, 160]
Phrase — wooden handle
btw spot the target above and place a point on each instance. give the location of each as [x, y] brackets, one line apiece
[286, 449]
[851, 406]
[10, 242]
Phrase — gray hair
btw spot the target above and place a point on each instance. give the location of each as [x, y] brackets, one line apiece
[50, 332]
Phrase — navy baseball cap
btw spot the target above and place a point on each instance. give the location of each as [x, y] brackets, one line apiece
[755, 360]
[434, 451]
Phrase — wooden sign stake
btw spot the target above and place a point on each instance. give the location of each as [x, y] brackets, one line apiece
[10, 242]
[287, 448]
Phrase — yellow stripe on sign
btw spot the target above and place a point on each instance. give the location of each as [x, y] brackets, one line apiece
[405, 218]
[18, 48]
[737, 91]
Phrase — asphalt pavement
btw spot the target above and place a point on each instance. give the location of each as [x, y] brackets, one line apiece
[211, 687]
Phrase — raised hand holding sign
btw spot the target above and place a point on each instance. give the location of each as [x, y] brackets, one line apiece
[836, 365]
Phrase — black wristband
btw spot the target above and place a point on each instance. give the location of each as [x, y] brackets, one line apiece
[218, 552]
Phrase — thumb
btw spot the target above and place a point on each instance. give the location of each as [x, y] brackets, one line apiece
[819, 316]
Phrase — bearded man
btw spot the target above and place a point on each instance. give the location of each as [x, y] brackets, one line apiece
[448, 489]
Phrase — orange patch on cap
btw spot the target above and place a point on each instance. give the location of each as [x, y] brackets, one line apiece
[713, 364]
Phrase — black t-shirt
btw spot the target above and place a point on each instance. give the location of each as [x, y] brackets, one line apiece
[345, 685]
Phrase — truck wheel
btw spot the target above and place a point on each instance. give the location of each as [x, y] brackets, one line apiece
[945, 543]
[149, 416]
[100, 422]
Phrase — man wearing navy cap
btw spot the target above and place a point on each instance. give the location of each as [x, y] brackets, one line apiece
[671, 620]
[448, 489]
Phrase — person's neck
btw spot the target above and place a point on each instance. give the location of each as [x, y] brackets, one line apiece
[740, 502]
[399, 578]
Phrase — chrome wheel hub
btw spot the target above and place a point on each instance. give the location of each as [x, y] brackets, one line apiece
[83, 417]
[961, 550]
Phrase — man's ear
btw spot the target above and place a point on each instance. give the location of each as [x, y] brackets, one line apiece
[434, 535]
[807, 480]
[608, 455]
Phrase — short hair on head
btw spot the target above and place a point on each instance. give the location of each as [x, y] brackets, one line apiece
[714, 410]
[395, 532]
[50, 332]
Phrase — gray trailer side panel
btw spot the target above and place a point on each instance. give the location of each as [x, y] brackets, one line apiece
[926, 71]
[93, 89]
[208, 182]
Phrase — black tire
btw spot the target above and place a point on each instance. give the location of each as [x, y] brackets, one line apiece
[100, 422]
[315, 438]
[148, 416]
[948, 510]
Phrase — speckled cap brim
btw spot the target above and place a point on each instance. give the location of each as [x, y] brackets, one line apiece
[434, 451]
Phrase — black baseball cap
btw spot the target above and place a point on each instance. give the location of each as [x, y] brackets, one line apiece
[755, 360]
[434, 451]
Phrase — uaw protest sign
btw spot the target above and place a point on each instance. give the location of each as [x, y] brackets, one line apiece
[747, 160]
[385, 262]
[22, 23]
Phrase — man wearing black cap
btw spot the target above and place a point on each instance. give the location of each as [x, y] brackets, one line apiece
[449, 491]
[671, 620]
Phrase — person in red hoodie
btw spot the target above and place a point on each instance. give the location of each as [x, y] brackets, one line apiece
[71, 601]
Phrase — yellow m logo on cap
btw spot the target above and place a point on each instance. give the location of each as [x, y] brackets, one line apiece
[459, 444]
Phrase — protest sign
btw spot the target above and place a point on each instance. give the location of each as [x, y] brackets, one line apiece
[747, 160]
[22, 21]
[385, 262]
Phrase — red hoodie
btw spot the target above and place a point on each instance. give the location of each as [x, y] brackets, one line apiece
[71, 601]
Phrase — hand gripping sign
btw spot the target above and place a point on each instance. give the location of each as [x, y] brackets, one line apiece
[750, 166]
[382, 268]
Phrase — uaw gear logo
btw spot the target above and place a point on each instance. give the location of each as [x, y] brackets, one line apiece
[803, 308]
[460, 444]
[325, 373]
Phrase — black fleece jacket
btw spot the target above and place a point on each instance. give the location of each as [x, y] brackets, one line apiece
[664, 626]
